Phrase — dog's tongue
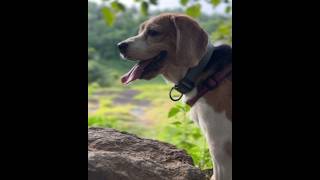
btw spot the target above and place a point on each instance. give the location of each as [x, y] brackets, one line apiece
[135, 72]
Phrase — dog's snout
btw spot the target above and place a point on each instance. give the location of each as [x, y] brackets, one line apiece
[123, 46]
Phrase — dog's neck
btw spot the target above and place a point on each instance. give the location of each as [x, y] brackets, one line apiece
[186, 79]
[176, 73]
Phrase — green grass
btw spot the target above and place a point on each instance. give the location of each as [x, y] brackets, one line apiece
[92, 88]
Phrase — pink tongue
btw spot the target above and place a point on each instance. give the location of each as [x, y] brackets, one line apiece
[134, 73]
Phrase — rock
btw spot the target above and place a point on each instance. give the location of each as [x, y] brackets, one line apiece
[114, 155]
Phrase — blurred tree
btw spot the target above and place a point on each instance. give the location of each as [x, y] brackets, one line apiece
[92, 54]
[112, 8]
[191, 7]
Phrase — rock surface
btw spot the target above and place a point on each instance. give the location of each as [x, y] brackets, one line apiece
[114, 155]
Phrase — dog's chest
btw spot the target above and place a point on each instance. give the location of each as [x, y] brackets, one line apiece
[202, 112]
[214, 104]
[213, 113]
[206, 107]
[214, 122]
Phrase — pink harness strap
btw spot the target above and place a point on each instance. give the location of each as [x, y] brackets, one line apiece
[211, 83]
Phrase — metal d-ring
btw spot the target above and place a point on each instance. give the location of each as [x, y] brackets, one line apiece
[171, 97]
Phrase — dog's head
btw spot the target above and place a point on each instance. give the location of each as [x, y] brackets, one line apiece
[166, 44]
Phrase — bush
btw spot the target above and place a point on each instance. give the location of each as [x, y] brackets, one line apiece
[92, 88]
[102, 121]
[92, 54]
[183, 133]
[98, 74]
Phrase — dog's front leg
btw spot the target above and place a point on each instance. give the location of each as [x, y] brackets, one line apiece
[222, 164]
[218, 131]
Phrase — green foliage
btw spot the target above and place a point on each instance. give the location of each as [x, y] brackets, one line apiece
[154, 2]
[184, 2]
[99, 73]
[182, 132]
[228, 9]
[115, 123]
[104, 38]
[194, 10]
[108, 15]
[101, 121]
[92, 54]
[223, 33]
[94, 71]
[215, 2]
[92, 88]
[117, 117]
[117, 6]
[173, 111]
[144, 6]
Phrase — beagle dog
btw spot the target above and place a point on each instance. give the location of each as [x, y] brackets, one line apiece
[175, 46]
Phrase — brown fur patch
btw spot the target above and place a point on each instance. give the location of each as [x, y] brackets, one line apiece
[221, 98]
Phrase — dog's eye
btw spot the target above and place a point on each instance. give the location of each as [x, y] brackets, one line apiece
[152, 32]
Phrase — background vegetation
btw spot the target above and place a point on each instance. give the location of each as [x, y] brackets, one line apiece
[143, 108]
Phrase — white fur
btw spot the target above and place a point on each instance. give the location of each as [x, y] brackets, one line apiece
[137, 43]
[218, 131]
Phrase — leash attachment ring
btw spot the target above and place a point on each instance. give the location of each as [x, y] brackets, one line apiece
[171, 97]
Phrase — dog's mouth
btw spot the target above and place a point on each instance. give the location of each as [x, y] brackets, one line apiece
[145, 69]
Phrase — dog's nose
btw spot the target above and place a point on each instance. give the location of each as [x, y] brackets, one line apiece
[123, 47]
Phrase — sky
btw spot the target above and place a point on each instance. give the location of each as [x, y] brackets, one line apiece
[170, 4]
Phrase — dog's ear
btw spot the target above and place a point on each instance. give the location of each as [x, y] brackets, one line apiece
[141, 27]
[191, 42]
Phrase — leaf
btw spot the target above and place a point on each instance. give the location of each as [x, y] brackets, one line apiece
[108, 16]
[114, 5]
[180, 106]
[176, 123]
[184, 2]
[117, 6]
[144, 8]
[215, 2]
[154, 2]
[183, 107]
[173, 111]
[186, 108]
[228, 9]
[194, 10]
[187, 144]
[197, 135]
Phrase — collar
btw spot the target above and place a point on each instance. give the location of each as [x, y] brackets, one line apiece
[219, 56]
[188, 82]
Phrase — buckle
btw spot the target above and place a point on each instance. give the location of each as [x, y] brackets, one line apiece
[170, 94]
[183, 87]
